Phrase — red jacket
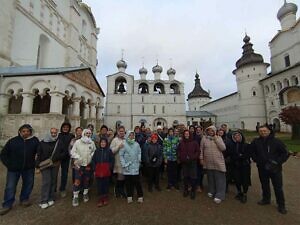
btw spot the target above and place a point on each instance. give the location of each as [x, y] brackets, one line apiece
[188, 150]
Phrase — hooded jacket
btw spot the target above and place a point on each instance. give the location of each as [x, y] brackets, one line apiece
[46, 148]
[239, 152]
[65, 139]
[188, 150]
[19, 154]
[154, 155]
[130, 157]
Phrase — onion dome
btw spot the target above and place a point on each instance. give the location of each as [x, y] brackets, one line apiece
[143, 70]
[171, 71]
[121, 64]
[157, 69]
[198, 91]
[287, 8]
[248, 57]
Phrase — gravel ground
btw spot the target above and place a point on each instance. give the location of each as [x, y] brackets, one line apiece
[168, 208]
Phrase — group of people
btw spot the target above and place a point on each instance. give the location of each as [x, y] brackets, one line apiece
[122, 158]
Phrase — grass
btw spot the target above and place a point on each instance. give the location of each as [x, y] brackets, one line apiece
[292, 145]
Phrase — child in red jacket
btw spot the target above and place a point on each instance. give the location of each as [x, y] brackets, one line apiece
[103, 163]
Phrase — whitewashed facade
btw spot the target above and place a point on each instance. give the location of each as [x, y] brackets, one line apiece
[47, 33]
[260, 97]
[133, 102]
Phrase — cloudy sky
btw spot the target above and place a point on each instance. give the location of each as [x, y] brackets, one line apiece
[195, 34]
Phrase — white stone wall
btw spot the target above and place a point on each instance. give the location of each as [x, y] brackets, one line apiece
[226, 109]
[71, 42]
[196, 103]
[283, 44]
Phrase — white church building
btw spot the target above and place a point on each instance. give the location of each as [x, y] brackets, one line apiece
[131, 102]
[260, 95]
[48, 58]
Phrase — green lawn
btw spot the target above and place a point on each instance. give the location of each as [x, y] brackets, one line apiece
[292, 145]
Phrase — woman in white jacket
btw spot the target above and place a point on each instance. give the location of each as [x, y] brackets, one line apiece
[82, 153]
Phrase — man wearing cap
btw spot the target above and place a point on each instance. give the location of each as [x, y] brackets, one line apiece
[270, 153]
[18, 156]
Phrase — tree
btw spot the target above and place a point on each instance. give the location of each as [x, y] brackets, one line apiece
[291, 116]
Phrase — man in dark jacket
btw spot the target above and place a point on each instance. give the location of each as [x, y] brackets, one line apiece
[65, 138]
[18, 156]
[269, 153]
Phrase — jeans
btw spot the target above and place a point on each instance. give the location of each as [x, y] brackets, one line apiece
[12, 179]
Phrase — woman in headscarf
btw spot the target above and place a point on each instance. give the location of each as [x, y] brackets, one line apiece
[130, 158]
[49, 148]
[211, 157]
[82, 153]
[239, 153]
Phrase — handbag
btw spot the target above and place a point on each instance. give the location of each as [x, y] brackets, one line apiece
[48, 162]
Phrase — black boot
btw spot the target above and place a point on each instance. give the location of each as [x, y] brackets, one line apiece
[282, 209]
[238, 196]
[244, 198]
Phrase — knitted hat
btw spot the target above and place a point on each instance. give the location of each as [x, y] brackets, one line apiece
[154, 136]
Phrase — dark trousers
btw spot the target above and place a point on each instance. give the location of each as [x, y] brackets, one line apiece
[200, 174]
[103, 186]
[82, 178]
[172, 173]
[153, 176]
[12, 179]
[131, 182]
[49, 180]
[276, 179]
[64, 173]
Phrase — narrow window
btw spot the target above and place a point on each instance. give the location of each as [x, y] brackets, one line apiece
[119, 109]
[287, 61]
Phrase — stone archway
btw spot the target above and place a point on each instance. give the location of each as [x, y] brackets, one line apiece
[276, 124]
[159, 122]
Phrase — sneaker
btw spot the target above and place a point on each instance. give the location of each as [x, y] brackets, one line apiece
[140, 200]
[210, 195]
[25, 203]
[282, 210]
[50, 203]
[199, 190]
[217, 200]
[4, 210]
[75, 202]
[44, 205]
[86, 198]
[129, 200]
[263, 202]
[63, 194]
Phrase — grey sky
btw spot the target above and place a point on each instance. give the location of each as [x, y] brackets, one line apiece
[197, 34]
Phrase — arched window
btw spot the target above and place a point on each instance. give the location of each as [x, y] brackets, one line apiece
[294, 80]
[286, 83]
[45, 102]
[253, 91]
[43, 51]
[66, 104]
[143, 88]
[159, 88]
[267, 89]
[120, 85]
[273, 88]
[15, 102]
[174, 89]
[279, 85]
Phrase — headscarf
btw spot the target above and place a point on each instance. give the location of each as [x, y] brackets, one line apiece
[85, 139]
[129, 141]
[48, 137]
[26, 126]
